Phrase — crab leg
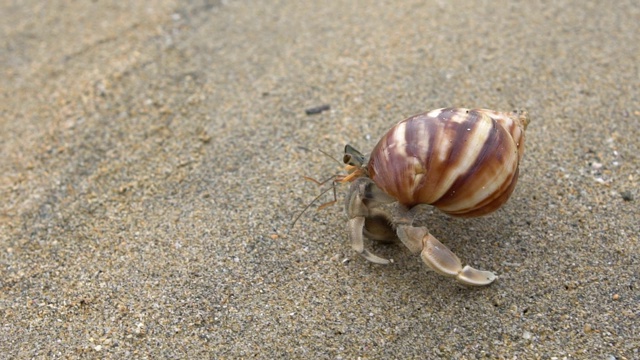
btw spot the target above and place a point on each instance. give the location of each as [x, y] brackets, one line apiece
[356, 225]
[363, 196]
[439, 258]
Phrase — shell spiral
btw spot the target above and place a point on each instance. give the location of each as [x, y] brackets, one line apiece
[462, 161]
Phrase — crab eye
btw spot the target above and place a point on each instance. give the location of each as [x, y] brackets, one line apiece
[347, 159]
[352, 156]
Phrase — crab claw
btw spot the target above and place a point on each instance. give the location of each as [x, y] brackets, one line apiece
[442, 260]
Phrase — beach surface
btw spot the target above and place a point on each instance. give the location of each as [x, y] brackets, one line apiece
[152, 160]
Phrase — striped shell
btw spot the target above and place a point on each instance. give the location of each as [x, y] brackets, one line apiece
[462, 161]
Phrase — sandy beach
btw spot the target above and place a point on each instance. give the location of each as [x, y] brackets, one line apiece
[152, 160]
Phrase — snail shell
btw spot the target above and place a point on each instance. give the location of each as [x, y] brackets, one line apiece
[462, 161]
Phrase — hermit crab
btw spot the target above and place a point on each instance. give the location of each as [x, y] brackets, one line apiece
[462, 161]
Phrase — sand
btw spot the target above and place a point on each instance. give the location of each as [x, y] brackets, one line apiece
[152, 161]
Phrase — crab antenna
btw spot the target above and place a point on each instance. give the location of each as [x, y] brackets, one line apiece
[331, 157]
[320, 183]
[335, 178]
[314, 200]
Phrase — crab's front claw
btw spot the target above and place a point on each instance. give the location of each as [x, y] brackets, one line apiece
[356, 226]
[442, 260]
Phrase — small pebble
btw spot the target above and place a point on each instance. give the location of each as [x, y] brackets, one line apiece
[626, 195]
[615, 297]
[317, 109]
